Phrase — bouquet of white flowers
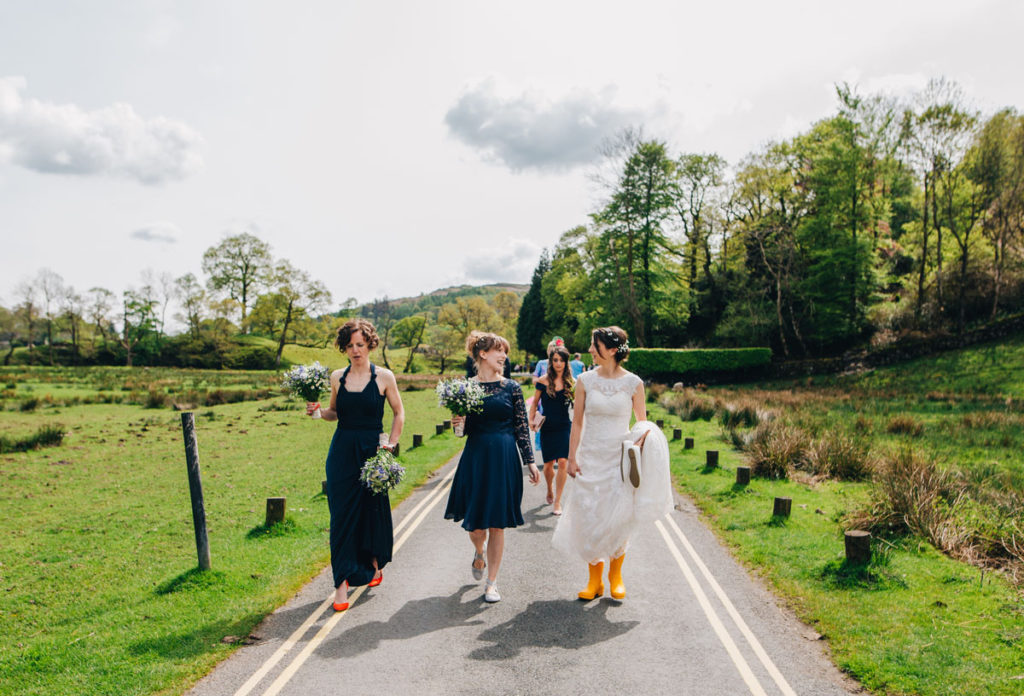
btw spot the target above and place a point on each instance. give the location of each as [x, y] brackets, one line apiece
[381, 472]
[461, 396]
[308, 382]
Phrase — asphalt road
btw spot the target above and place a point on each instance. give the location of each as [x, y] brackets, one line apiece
[693, 622]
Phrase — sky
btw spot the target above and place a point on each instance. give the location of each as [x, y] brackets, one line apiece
[395, 147]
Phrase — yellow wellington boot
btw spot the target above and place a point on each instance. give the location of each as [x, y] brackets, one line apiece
[594, 588]
[618, 588]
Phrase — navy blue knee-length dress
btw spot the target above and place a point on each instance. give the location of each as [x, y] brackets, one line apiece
[361, 528]
[554, 432]
[487, 490]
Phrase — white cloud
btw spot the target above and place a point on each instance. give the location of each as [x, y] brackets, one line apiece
[530, 132]
[114, 140]
[511, 263]
[166, 232]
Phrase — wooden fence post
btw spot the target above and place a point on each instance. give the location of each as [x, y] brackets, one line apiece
[417, 440]
[323, 487]
[677, 433]
[858, 546]
[195, 488]
[688, 443]
[782, 507]
[447, 425]
[275, 511]
[439, 428]
[743, 475]
[711, 458]
[660, 423]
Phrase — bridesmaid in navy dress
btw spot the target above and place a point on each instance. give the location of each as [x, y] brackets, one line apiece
[361, 531]
[555, 394]
[487, 490]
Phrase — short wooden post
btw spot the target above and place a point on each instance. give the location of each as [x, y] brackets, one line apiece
[677, 433]
[858, 546]
[398, 446]
[660, 423]
[447, 425]
[323, 487]
[275, 511]
[711, 459]
[439, 428]
[782, 507]
[743, 475]
[195, 488]
[688, 443]
[417, 440]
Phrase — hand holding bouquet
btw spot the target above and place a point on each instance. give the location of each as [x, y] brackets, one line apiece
[308, 382]
[381, 472]
[460, 396]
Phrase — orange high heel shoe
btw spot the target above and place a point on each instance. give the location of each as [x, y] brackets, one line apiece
[378, 579]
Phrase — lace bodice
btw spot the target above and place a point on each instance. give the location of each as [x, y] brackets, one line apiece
[506, 411]
[607, 408]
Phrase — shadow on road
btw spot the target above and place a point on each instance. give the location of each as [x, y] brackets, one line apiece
[557, 623]
[417, 617]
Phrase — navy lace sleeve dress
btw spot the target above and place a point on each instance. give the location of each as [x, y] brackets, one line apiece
[554, 432]
[487, 490]
[361, 527]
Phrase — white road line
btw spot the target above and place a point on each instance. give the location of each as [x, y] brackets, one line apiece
[258, 675]
[314, 642]
[716, 623]
[735, 615]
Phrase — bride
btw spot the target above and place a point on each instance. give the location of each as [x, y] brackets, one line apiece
[620, 476]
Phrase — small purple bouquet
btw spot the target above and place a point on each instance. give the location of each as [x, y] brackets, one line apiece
[381, 472]
[461, 396]
[308, 382]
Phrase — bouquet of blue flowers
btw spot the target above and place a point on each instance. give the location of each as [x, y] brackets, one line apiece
[461, 396]
[381, 472]
[308, 382]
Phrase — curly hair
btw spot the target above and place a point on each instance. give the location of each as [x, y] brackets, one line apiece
[479, 341]
[567, 381]
[364, 327]
[614, 339]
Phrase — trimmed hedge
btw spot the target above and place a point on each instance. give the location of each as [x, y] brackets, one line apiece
[699, 364]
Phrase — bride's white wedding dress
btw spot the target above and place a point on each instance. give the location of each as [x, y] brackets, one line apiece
[601, 509]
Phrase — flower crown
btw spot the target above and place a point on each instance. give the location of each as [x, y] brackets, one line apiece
[624, 348]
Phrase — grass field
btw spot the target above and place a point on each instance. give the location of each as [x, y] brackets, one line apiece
[914, 621]
[97, 559]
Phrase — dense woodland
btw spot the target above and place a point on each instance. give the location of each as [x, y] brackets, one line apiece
[886, 219]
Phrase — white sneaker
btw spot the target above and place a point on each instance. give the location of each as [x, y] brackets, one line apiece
[491, 592]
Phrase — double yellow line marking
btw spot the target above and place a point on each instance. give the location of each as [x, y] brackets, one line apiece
[716, 623]
[409, 523]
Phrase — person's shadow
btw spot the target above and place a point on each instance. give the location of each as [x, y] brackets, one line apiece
[415, 618]
[553, 623]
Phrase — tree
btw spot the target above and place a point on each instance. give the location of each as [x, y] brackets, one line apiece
[99, 305]
[138, 321]
[295, 295]
[382, 313]
[73, 308]
[193, 299]
[8, 332]
[445, 343]
[27, 311]
[239, 265]
[530, 327]
[468, 314]
[408, 333]
[51, 287]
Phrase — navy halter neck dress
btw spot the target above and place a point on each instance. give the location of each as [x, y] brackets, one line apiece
[361, 528]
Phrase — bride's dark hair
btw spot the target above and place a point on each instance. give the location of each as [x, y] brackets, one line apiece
[614, 339]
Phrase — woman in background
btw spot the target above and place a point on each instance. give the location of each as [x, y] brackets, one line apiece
[555, 396]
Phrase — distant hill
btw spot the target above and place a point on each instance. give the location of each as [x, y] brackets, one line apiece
[431, 301]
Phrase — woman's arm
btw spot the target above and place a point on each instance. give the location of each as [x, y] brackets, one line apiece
[572, 468]
[397, 407]
[331, 412]
[640, 409]
[533, 404]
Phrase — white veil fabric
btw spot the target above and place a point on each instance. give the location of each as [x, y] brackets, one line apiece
[653, 499]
